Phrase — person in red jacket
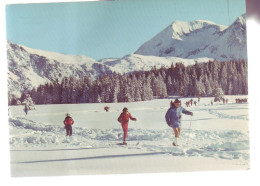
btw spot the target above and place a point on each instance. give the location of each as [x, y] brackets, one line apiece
[68, 122]
[124, 119]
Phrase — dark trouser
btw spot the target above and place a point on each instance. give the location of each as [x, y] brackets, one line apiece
[68, 130]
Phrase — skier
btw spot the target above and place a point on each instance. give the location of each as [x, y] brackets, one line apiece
[187, 104]
[68, 122]
[124, 119]
[173, 119]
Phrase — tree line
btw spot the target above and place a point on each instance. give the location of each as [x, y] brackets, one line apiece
[199, 80]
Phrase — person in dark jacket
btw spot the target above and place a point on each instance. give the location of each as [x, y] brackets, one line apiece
[124, 120]
[68, 122]
[173, 118]
[26, 108]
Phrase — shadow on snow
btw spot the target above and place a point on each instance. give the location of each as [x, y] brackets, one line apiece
[93, 157]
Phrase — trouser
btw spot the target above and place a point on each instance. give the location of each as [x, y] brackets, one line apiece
[68, 130]
[125, 129]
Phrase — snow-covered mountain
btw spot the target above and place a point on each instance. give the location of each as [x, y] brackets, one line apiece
[136, 62]
[199, 39]
[28, 68]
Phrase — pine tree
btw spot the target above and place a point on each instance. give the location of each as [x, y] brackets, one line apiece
[169, 85]
[136, 85]
[114, 89]
[65, 91]
[48, 92]
[28, 102]
[124, 93]
[223, 78]
[208, 89]
[146, 91]
[73, 91]
[56, 93]
[85, 95]
[218, 94]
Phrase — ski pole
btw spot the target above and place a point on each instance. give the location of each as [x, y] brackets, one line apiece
[137, 135]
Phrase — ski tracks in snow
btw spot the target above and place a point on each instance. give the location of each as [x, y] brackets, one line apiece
[215, 112]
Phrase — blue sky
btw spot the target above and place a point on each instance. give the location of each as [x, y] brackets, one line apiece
[106, 29]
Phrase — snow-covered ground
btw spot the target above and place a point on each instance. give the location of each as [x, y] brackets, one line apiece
[215, 138]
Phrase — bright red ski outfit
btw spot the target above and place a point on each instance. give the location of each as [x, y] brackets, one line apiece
[124, 120]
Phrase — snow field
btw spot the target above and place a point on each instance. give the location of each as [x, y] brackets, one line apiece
[217, 133]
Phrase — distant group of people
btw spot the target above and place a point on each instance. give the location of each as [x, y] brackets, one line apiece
[173, 119]
[225, 101]
[241, 100]
[191, 102]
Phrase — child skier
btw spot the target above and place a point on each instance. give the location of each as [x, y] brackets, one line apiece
[68, 122]
[173, 119]
[124, 119]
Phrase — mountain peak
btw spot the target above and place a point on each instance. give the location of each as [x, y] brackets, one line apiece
[180, 27]
[198, 39]
[241, 20]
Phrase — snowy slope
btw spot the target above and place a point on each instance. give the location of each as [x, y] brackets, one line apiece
[28, 68]
[199, 39]
[216, 135]
[136, 62]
